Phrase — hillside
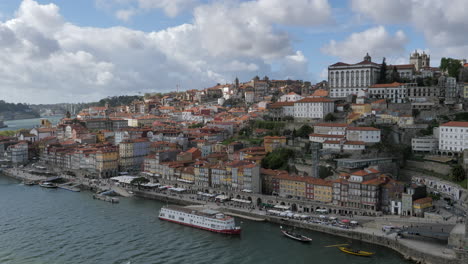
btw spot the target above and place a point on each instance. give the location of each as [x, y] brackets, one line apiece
[11, 111]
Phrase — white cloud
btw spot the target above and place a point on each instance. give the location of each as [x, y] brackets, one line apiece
[125, 14]
[442, 23]
[376, 41]
[44, 58]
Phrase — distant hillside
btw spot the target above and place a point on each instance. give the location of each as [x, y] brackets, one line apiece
[10, 111]
[119, 100]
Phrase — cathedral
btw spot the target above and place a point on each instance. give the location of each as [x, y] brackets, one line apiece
[420, 61]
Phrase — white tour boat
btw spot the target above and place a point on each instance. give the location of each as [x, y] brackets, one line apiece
[206, 219]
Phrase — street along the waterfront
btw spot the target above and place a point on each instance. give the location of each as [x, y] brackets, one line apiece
[56, 226]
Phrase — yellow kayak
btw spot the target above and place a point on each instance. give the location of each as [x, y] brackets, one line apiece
[356, 252]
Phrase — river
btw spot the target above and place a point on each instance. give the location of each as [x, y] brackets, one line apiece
[39, 226]
[29, 123]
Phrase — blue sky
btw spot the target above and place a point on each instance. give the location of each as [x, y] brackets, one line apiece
[87, 49]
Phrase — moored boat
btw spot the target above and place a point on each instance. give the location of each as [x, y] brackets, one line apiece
[356, 252]
[295, 236]
[48, 185]
[28, 183]
[206, 219]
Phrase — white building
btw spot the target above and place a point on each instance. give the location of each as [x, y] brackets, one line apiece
[331, 128]
[313, 108]
[346, 79]
[364, 134]
[18, 153]
[290, 97]
[394, 92]
[425, 144]
[453, 137]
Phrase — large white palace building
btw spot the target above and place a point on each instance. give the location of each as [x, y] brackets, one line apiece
[345, 79]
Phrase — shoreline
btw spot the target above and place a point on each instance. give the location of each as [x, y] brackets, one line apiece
[414, 250]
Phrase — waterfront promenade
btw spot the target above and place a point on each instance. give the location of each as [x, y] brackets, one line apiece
[369, 229]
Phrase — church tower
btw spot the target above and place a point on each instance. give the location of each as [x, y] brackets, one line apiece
[367, 58]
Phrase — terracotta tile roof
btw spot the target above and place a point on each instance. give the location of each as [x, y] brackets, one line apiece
[320, 92]
[387, 85]
[280, 104]
[331, 142]
[455, 124]
[340, 64]
[326, 135]
[363, 128]
[314, 100]
[402, 66]
[423, 200]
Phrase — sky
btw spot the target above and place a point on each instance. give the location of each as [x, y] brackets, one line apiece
[54, 51]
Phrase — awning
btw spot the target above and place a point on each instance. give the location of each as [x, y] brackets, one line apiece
[177, 189]
[284, 207]
[241, 200]
[345, 221]
[222, 197]
[354, 222]
[183, 180]
[247, 190]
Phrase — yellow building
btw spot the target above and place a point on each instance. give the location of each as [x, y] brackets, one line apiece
[291, 186]
[361, 108]
[323, 191]
[107, 161]
[465, 90]
[421, 205]
[272, 143]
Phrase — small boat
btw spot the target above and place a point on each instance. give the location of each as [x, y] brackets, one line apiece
[48, 185]
[356, 252]
[295, 236]
[28, 183]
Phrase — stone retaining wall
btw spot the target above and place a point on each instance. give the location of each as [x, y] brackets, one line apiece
[429, 166]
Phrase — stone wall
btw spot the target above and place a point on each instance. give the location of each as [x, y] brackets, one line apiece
[429, 166]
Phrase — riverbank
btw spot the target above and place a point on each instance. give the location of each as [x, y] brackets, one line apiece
[416, 250]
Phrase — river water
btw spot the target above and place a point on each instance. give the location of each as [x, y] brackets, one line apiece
[29, 123]
[46, 226]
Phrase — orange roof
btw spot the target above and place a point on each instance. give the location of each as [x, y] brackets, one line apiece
[423, 200]
[331, 142]
[320, 92]
[360, 173]
[365, 128]
[386, 85]
[314, 100]
[380, 101]
[455, 124]
[280, 104]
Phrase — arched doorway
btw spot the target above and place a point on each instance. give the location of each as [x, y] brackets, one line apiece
[294, 207]
[238, 196]
[259, 201]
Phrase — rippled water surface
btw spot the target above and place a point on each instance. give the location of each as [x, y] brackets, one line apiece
[44, 226]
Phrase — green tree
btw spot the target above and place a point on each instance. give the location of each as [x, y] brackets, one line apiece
[138, 181]
[451, 66]
[458, 173]
[277, 159]
[395, 76]
[383, 72]
[304, 131]
[329, 117]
